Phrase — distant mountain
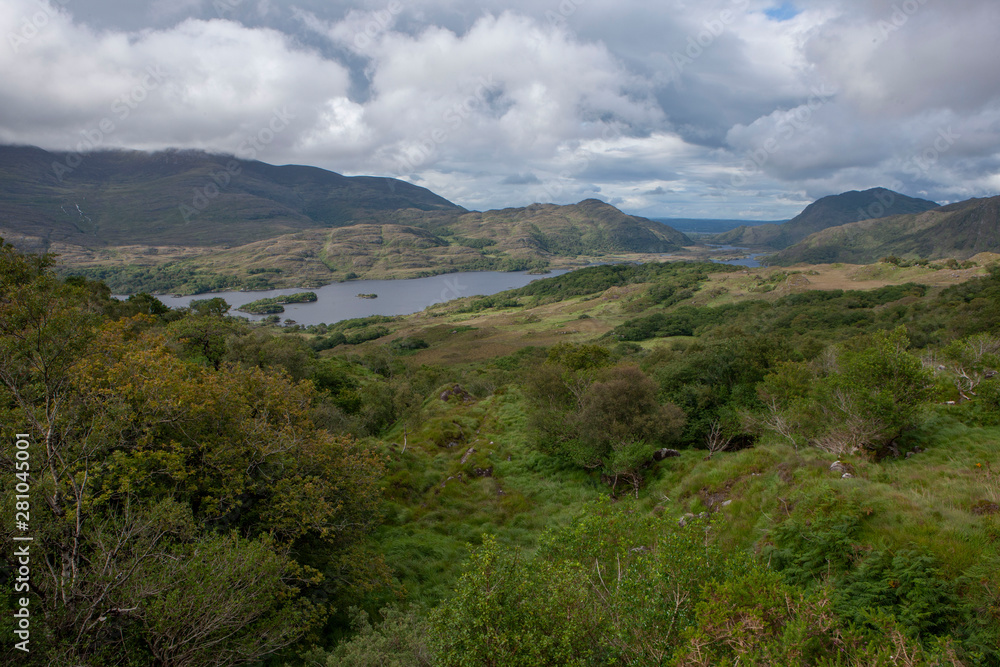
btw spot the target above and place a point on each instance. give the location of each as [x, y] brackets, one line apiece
[958, 230]
[711, 225]
[827, 212]
[590, 227]
[187, 198]
[218, 222]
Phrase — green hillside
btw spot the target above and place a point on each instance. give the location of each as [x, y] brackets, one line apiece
[183, 198]
[959, 231]
[137, 221]
[827, 212]
[635, 464]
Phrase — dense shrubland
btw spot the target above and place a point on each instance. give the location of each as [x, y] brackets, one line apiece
[208, 491]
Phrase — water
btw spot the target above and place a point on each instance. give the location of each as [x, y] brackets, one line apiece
[340, 301]
[750, 261]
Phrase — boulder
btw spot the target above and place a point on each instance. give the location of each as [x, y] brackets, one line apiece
[841, 468]
[456, 391]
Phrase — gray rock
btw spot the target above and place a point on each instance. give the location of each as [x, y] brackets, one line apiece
[838, 466]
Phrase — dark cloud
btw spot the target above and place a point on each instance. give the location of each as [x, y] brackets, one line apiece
[521, 179]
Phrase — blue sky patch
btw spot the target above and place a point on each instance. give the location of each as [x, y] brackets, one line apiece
[784, 12]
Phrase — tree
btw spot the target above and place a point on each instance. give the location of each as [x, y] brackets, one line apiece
[220, 601]
[606, 419]
[876, 393]
[144, 464]
[860, 395]
[971, 360]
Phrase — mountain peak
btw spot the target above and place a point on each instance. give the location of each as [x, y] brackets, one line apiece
[958, 230]
[829, 211]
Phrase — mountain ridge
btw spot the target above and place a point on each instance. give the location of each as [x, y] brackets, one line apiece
[958, 230]
[829, 211]
[169, 191]
[123, 216]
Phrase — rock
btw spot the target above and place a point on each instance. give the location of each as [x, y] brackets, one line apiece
[837, 466]
[685, 519]
[665, 454]
[456, 391]
[985, 507]
[483, 472]
[472, 450]
[727, 503]
[847, 475]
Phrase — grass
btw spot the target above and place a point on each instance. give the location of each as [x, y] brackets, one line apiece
[922, 501]
[438, 506]
[434, 515]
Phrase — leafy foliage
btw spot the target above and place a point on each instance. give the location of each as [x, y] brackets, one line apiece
[189, 509]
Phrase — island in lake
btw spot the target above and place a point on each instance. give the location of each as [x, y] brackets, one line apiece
[368, 296]
[276, 304]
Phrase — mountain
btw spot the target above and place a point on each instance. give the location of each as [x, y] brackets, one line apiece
[589, 227]
[827, 212]
[189, 220]
[958, 230]
[187, 198]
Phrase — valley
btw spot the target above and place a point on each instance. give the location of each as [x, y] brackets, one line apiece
[565, 392]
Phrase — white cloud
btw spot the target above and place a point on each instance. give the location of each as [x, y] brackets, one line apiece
[587, 96]
[199, 84]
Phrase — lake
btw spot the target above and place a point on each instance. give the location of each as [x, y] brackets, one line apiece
[340, 301]
[751, 261]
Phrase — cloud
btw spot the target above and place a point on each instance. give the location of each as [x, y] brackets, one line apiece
[682, 108]
[521, 179]
[199, 84]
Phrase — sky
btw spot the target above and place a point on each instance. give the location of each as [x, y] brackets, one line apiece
[747, 109]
